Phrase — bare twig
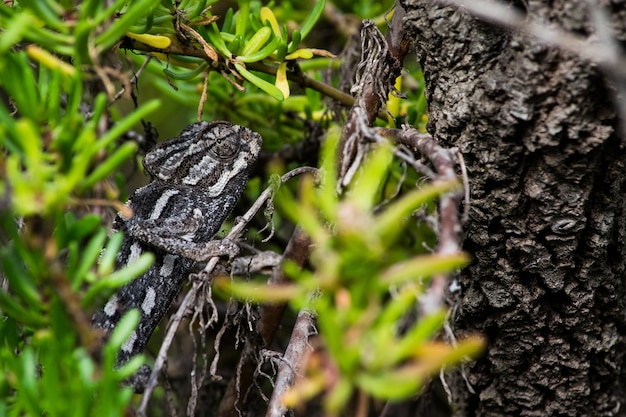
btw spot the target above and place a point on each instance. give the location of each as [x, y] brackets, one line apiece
[293, 362]
[203, 96]
[371, 93]
[466, 186]
[203, 278]
[133, 80]
[271, 315]
[380, 65]
[449, 222]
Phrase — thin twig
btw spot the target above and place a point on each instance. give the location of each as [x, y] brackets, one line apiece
[297, 251]
[292, 364]
[466, 186]
[133, 80]
[442, 160]
[203, 96]
[378, 69]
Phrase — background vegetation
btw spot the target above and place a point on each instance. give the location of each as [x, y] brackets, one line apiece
[85, 90]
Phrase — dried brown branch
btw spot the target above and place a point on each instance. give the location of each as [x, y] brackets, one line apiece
[271, 315]
[293, 362]
[449, 223]
[377, 71]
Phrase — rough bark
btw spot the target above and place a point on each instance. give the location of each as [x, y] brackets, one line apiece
[539, 135]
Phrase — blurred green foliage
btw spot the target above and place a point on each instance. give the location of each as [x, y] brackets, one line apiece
[364, 285]
[54, 152]
[63, 136]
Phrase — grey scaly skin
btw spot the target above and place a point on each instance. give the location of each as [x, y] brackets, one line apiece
[198, 177]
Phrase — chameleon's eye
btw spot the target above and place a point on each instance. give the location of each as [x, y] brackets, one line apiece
[223, 139]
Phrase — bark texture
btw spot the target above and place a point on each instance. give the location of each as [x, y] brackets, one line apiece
[539, 135]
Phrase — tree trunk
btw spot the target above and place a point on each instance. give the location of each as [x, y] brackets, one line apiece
[539, 135]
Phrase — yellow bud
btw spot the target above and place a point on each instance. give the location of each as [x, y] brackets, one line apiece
[156, 41]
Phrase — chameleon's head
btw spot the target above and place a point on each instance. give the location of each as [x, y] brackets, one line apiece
[207, 155]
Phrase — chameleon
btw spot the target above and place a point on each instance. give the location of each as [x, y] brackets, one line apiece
[197, 177]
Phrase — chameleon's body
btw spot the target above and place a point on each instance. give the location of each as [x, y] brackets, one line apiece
[198, 177]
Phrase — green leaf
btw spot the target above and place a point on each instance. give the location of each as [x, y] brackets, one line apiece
[20, 281]
[312, 19]
[189, 75]
[228, 25]
[107, 261]
[15, 29]
[304, 214]
[107, 167]
[367, 187]
[27, 316]
[269, 88]
[45, 11]
[259, 292]
[88, 258]
[119, 278]
[20, 82]
[327, 198]
[392, 220]
[426, 328]
[27, 381]
[339, 395]
[395, 385]
[421, 267]
[400, 383]
[262, 53]
[127, 324]
[256, 42]
[122, 24]
[296, 38]
[242, 18]
[83, 227]
[131, 367]
[213, 32]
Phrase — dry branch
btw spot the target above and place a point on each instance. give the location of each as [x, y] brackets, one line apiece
[271, 315]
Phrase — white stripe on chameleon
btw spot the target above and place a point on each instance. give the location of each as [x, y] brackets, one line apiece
[111, 306]
[168, 265]
[135, 252]
[200, 171]
[240, 164]
[148, 302]
[129, 343]
[161, 203]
